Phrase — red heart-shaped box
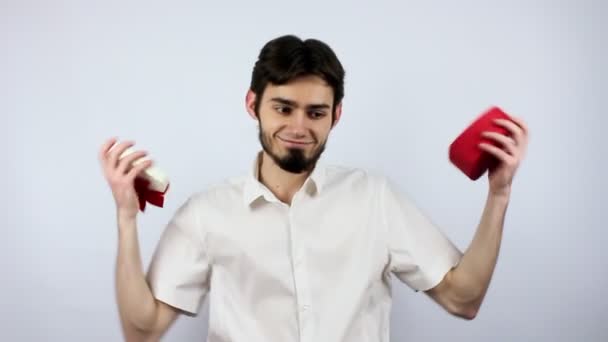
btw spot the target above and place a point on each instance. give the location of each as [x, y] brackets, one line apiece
[464, 151]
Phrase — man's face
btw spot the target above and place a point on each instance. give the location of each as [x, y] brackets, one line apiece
[295, 120]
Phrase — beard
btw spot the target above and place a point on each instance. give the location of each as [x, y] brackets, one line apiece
[295, 161]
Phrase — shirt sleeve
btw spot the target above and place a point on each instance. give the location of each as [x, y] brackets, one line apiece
[420, 254]
[179, 271]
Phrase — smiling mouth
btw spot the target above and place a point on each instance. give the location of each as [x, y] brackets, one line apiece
[296, 143]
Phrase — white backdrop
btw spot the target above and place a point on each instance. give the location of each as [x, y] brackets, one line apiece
[173, 77]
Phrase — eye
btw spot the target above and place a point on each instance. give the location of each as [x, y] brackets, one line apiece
[283, 109]
[316, 114]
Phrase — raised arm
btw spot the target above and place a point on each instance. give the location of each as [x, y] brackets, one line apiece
[462, 290]
[142, 317]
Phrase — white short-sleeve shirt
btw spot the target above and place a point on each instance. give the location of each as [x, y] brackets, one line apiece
[318, 270]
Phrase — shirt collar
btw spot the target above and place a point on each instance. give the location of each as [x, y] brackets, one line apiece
[254, 189]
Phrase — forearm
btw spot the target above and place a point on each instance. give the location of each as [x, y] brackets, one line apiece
[136, 304]
[471, 278]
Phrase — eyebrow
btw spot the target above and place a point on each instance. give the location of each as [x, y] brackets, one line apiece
[295, 104]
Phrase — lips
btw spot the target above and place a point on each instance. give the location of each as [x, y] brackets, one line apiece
[295, 142]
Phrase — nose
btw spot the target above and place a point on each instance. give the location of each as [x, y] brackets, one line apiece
[298, 124]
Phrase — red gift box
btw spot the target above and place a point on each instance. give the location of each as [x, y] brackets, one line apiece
[147, 195]
[464, 151]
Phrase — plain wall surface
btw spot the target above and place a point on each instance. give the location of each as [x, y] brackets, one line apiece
[173, 77]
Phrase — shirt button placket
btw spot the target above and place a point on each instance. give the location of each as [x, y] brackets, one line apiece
[301, 281]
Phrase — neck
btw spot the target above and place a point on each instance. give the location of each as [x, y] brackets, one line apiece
[281, 183]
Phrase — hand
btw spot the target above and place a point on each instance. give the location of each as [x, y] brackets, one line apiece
[121, 174]
[510, 156]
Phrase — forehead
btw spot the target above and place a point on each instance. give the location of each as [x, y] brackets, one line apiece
[304, 90]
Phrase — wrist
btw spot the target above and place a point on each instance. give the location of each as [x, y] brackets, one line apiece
[502, 193]
[499, 198]
[125, 220]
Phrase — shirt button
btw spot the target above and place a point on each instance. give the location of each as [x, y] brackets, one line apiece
[305, 307]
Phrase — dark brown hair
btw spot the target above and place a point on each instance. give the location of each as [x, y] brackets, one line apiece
[288, 57]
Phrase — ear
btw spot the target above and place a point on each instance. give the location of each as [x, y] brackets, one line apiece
[250, 100]
[337, 115]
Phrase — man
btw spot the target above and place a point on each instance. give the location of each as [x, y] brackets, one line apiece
[299, 251]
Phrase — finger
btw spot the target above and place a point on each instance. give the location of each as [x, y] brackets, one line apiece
[137, 169]
[125, 164]
[507, 142]
[521, 123]
[514, 129]
[497, 152]
[105, 147]
[117, 151]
